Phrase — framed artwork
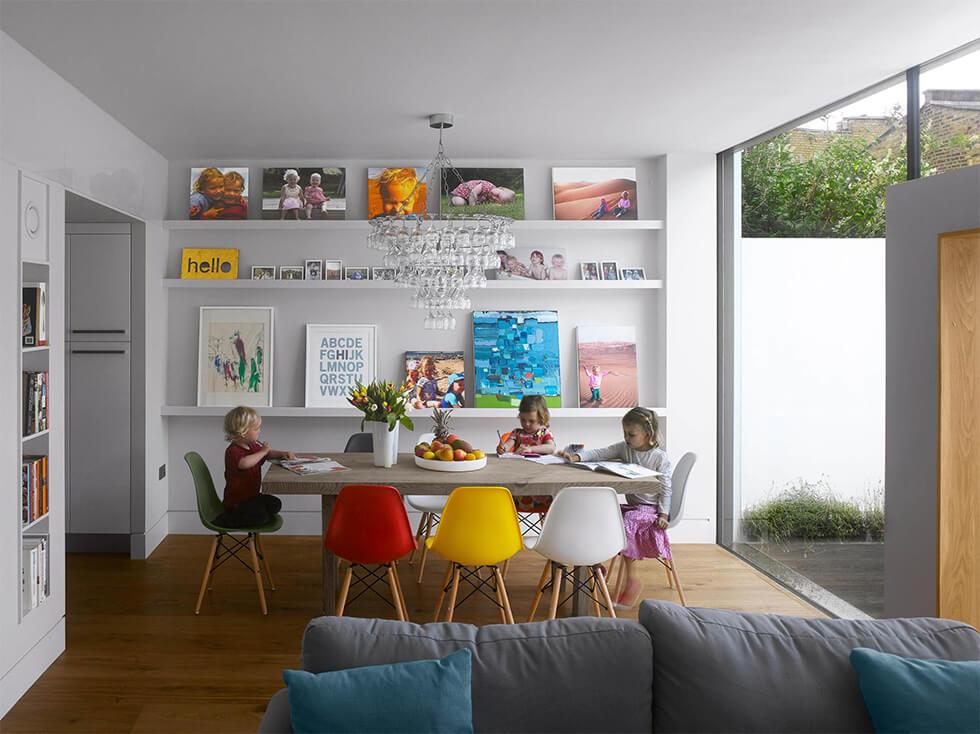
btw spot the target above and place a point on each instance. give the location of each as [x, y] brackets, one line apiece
[609, 269]
[219, 193]
[382, 273]
[314, 269]
[594, 193]
[632, 274]
[234, 356]
[333, 269]
[263, 272]
[396, 192]
[515, 353]
[291, 272]
[338, 356]
[295, 192]
[483, 191]
[437, 379]
[590, 270]
[607, 373]
[533, 263]
[359, 272]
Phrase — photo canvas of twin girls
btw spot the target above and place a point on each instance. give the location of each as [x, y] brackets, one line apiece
[436, 379]
[292, 192]
[219, 193]
[497, 191]
[604, 194]
[396, 192]
[607, 375]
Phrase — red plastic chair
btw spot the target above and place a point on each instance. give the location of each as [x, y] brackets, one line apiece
[369, 527]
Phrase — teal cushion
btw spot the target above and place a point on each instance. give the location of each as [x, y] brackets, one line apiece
[910, 695]
[418, 696]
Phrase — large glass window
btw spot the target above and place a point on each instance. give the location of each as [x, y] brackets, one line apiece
[950, 114]
[809, 350]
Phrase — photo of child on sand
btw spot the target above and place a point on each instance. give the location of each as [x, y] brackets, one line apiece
[483, 191]
[295, 192]
[594, 193]
[219, 193]
[396, 192]
[533, 263]
[436, 379]
[607, 374]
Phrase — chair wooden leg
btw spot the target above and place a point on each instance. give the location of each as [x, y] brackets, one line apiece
[506, 566]
[425, 546]
[265, 561]
[401, 594]
[418, 537]
[207, 575]
[442, 591]
[605, 595]
[556, 574]
[258, 573]
[594, 573]
[500, 599]
[503, 594]
[539, 591]
[670, 580]
[677, 582]
[344, 589]
[452, 594]
[395, 598]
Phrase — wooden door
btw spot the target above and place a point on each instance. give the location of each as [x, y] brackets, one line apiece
[959, 427]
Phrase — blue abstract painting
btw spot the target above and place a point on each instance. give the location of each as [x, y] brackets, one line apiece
[515, 353]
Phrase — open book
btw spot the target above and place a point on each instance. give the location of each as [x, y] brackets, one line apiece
[311, 465]
[629, 471]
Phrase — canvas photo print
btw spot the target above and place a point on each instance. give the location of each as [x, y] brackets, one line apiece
[219, 193]
[396, 192]
[436, 379]
[607, 374]
[533, 263]
[515, 353]
[483, 191]
[294, 192]
[604, 194]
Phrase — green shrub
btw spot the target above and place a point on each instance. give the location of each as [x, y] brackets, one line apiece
[811, 511]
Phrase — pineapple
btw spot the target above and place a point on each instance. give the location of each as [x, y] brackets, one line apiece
[440, 423]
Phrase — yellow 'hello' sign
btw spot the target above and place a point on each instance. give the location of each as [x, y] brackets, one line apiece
[209, 263]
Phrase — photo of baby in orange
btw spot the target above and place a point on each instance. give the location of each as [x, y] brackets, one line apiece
[396, 192]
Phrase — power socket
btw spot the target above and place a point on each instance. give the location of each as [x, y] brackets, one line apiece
[163, 471]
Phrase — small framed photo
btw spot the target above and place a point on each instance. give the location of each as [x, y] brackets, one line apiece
[357, 273]
[263, 272]
[632, 274]
[590, 270]
[291, 272]
[333, 269]
[314, 269]
[382, 273]
[609, 270]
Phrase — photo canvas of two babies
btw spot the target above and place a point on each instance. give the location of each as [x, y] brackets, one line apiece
[219, 193]
[294, 192]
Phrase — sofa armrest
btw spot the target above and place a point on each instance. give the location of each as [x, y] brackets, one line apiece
[276, 719]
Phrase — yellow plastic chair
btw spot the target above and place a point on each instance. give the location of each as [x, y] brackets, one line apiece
[478, 531]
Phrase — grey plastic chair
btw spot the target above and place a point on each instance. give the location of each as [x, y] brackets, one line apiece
[359, 443]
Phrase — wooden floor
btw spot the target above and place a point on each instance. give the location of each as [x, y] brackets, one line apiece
[138, 660]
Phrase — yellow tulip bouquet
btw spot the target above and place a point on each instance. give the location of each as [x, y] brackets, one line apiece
[383, 402]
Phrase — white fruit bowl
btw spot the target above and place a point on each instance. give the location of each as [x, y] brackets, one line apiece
[457, 466]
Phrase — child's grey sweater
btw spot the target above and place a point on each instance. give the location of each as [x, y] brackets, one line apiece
[655, 459]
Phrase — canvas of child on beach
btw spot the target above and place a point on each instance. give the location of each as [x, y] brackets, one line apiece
[601, 194]
[607, 374]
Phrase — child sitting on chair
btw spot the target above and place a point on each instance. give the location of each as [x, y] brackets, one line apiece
[245, 505]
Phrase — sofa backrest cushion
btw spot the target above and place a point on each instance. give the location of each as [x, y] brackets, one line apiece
[581, 674]
[727, 671]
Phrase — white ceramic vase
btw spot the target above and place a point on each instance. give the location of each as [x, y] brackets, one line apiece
[385, 444]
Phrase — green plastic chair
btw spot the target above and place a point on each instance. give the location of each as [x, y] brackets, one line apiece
[209, 508]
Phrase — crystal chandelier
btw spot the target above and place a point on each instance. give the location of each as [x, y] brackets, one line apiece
[441, 257]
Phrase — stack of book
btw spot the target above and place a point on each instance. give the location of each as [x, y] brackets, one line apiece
[34, 571]
[33, 488]
[35, 392]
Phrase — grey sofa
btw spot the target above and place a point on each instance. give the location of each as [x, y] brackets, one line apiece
[677, 670]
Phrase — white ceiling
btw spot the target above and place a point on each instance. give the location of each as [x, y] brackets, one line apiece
[620, 79]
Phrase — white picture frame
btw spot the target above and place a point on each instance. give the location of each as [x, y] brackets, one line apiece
[333, 269]
[224, 378]
[329, 373]
[292, 272]
[313, 269]
[263, 272]
[590, 270]
[609, 268]
[357, 272]
[383, 273]
[632, 273]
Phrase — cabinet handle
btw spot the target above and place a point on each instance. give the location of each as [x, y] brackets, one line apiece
[98, 331]
[98, 351]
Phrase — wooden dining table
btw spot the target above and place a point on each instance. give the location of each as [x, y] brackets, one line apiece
[520, 476]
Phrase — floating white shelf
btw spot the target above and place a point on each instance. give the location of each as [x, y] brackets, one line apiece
[362, 224]
[36, 349]
[25, 439]
[188, 411]
[27, 261]
[533, 285]
[29, 526]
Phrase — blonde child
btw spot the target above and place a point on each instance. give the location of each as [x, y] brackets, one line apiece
[623, 205]
[427, 387]
[234, 205]
[398, 188]
[208, 190]
[533, 437]
[245, 505]
[538, 269]
[291, 198]
[646, 515]
[314, 196]
[557, 270]
[595, 381]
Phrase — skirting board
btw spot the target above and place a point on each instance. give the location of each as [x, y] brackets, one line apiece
[29, 668]
[142, 545]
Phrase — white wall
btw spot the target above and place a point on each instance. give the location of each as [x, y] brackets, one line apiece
[812, 365]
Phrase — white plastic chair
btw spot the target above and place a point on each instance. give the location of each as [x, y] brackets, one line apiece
[431, 507]
[583, 527]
